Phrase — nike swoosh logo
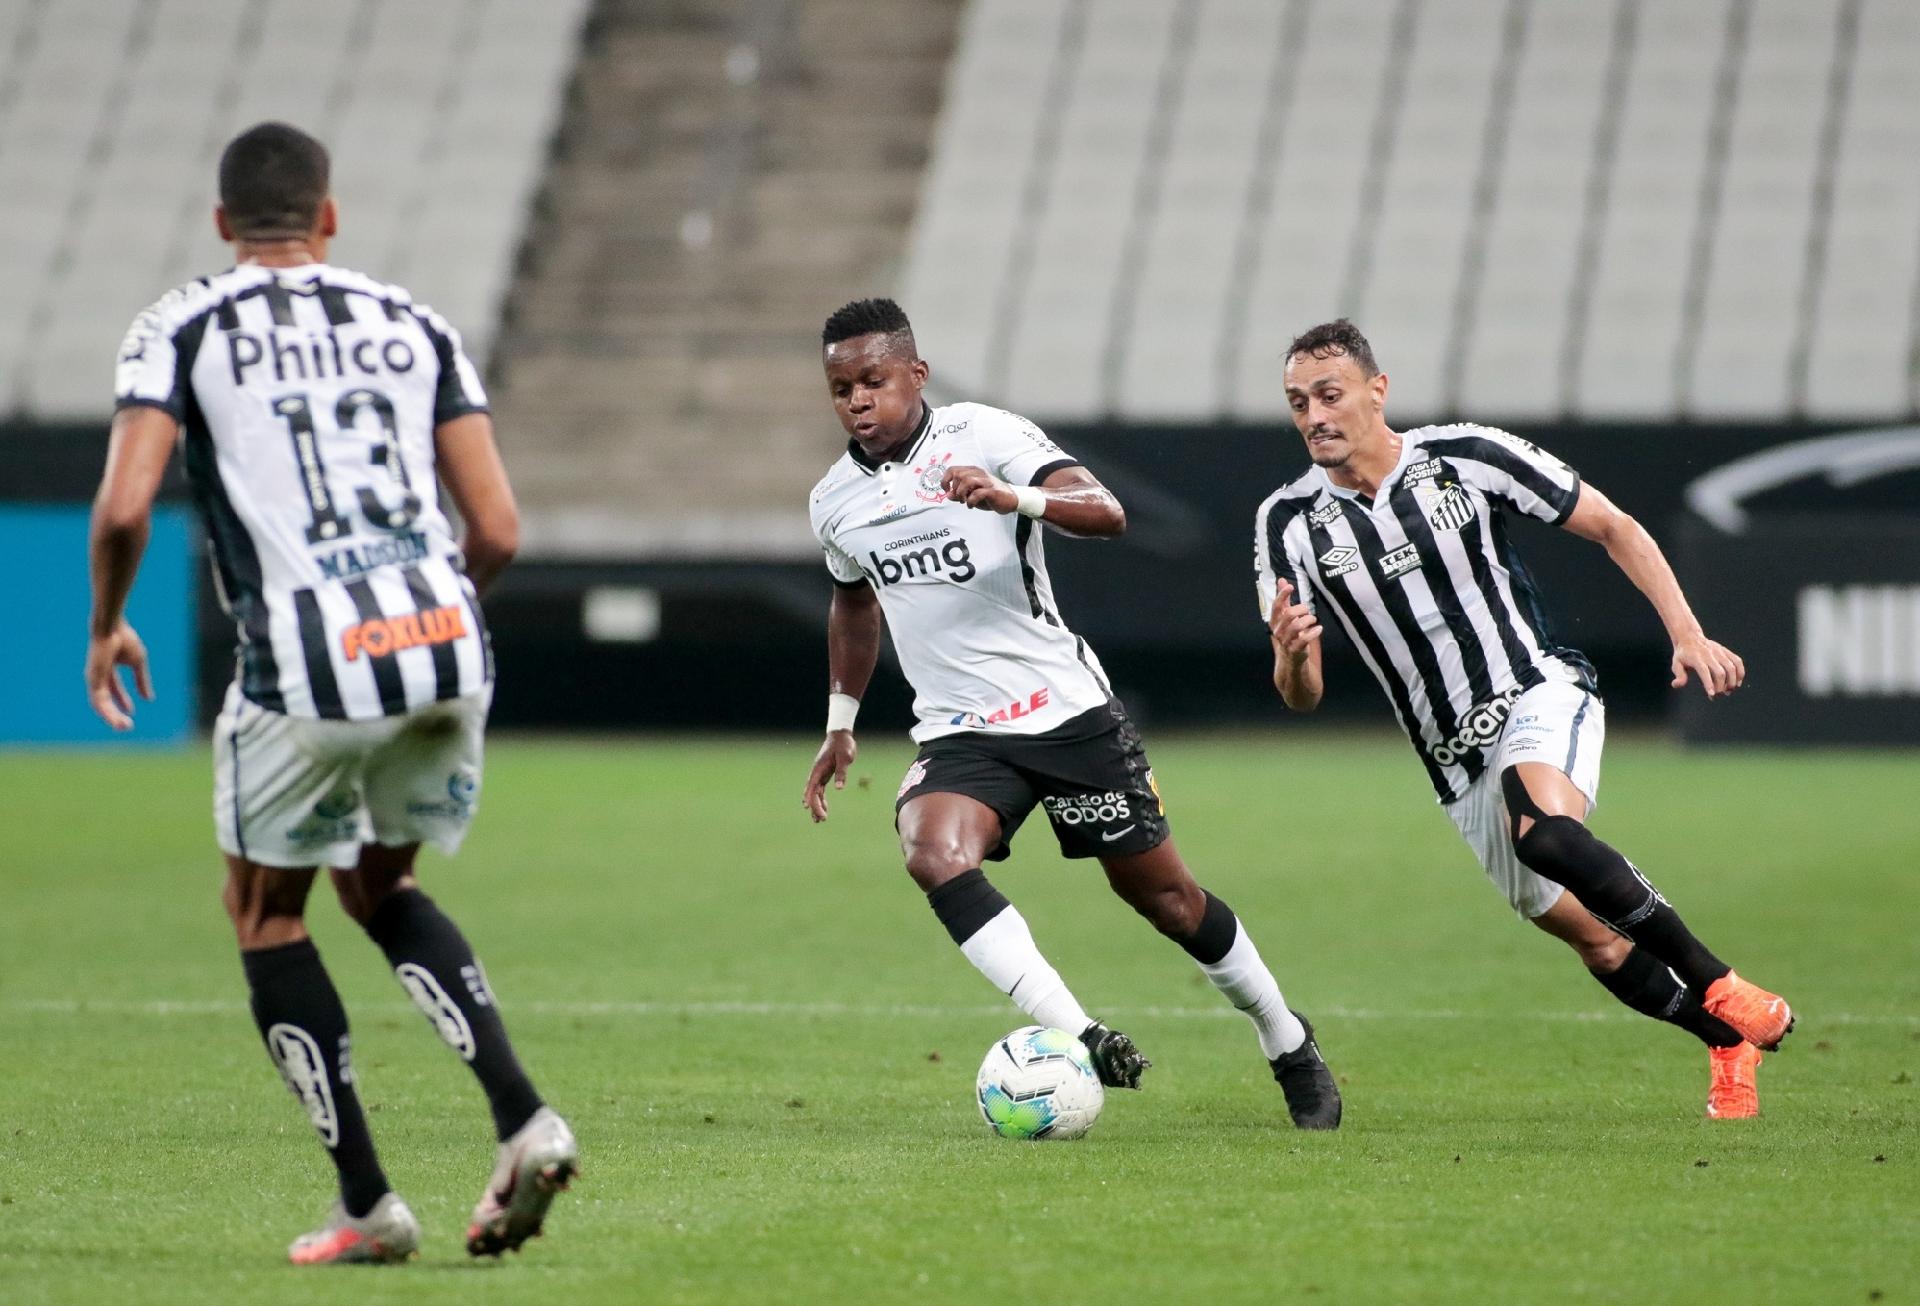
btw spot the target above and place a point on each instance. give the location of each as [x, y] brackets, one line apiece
[1108, 836]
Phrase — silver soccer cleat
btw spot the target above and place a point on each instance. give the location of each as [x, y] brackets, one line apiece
[536, 1163]
[385, 1235]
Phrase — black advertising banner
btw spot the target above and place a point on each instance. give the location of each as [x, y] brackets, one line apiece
[1826, 611]
[1170, 607]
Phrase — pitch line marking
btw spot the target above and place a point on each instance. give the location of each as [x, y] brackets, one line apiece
[865, 1011]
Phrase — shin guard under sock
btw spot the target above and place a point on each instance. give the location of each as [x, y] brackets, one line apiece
[1227, 955]
[305, 1029]
[994, 937]
[431, 958]
[1608, 885]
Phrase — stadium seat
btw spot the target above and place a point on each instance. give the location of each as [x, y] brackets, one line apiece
[1631, 336]
[113, 101]
[1750, 323]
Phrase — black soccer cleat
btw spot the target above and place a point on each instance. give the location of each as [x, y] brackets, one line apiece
[1115, 1059]
[1313, 1099]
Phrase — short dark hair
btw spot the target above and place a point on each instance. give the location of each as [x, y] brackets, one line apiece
[1337, 337]
[868, 317]
[273, 180]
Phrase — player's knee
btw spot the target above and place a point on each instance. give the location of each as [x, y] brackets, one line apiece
[1558, 847]
[933, 861]
[265, 912]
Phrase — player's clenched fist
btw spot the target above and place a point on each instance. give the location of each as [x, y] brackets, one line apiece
[1295, 629]
[976, 487]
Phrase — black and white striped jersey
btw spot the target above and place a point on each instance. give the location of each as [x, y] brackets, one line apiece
[307, 399]
[1426, 583]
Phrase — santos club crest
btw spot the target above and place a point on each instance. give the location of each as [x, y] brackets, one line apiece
[1448, 507]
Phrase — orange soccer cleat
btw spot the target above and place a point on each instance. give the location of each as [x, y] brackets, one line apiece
[1759, 1017]
[1734, 1094]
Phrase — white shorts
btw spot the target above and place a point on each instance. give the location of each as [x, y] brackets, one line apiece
[299, 791]
[1562, 725]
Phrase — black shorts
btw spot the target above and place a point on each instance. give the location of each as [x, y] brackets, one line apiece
[1090, 775]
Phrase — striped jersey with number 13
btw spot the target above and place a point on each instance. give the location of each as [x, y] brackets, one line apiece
[307, 399]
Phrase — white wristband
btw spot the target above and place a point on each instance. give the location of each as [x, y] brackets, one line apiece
[841, 710]
[1030, 501]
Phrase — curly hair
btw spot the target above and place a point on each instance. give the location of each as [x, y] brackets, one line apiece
[868, 317]
[1337, 337]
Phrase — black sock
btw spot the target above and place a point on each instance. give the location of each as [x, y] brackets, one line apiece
[1218, 929]
[305, 1028]
[966, 902]
[437, 968]
[1646, 985]
[1611, 887]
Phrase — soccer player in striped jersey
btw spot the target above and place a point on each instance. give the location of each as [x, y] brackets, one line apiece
[1402, 537]
[933, 518]
[317, 409]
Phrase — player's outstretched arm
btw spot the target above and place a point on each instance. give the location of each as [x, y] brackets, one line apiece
[137, 451]
[1072, 500]
[853, 647]
[1296, 651]
[469, 464]
[1595, 517]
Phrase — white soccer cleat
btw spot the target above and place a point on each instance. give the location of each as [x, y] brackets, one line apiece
[536, 1163]
[385, 1235]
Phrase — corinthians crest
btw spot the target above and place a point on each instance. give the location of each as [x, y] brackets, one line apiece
[927, 478]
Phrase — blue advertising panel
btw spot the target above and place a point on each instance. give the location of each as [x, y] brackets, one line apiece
[43, 628]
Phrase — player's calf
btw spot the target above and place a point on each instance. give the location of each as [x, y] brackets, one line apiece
[304, 1026]
[435, 965]
[1565, 851]
[993, 935]
[1644, 983]
[1227, 956]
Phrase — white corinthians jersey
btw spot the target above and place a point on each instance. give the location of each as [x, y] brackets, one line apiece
[1424, 581]
[307, 399]
[965, 591]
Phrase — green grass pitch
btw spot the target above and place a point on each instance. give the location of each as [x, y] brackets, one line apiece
[767, 1046]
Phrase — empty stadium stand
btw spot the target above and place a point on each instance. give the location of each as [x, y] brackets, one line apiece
[112, 112]
[1095, 210]
[729, 172]
[1619, 210]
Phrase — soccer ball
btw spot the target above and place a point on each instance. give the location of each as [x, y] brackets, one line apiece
[1039, 1083]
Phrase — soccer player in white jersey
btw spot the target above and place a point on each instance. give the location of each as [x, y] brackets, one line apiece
[316, 407]
[1401, 535]
[932, 517]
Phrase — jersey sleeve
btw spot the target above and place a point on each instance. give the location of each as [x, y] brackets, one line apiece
[1016, 450]
[841, 566]
[148, 372]
[459, 391]
[1516, 473]
[1274, 559]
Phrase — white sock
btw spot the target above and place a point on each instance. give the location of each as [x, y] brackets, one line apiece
[1250, 986]
[1003, 950]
